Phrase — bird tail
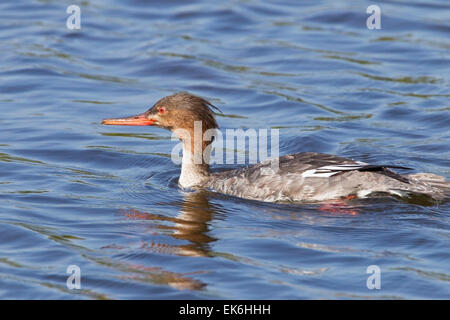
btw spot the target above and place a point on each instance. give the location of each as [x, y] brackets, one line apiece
[434, 181]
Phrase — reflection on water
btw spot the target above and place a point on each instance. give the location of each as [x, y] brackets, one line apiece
[191, 224]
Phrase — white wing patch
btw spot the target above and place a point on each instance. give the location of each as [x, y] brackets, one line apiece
[317, 174]
[328, 171]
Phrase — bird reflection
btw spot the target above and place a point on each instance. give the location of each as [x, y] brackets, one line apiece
[190, 224]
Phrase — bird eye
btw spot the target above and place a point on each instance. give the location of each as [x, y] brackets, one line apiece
[161, 110]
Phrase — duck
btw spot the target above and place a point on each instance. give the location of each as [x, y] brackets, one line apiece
[300, 178]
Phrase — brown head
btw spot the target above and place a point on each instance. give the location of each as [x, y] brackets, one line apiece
[178, 111]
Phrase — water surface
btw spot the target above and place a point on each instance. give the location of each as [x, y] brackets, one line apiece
[74, 192]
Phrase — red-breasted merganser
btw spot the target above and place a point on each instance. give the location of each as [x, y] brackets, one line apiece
[301, 177]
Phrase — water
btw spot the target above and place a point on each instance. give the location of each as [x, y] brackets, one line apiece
[74, 192]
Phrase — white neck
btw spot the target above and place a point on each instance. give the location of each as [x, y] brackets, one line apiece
[192, 174]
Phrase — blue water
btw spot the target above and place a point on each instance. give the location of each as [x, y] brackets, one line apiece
[74, 192]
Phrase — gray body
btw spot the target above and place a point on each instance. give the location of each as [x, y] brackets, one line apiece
[312, 177]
